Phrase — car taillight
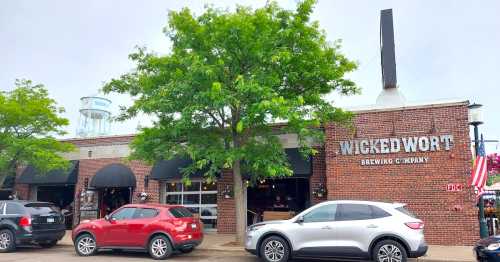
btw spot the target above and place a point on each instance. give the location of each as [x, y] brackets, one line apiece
[25, 222]
[415, 225]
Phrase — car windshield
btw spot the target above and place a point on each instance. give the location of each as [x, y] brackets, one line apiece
[41, 208]
[405, 211]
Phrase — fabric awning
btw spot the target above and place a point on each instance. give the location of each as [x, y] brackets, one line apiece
[54, 177]
[171, 169]
[113, 175]
[8, 183]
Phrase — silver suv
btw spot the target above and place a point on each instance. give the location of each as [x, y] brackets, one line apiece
[384, 232]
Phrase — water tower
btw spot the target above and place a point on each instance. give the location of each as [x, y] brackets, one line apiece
[95, 117]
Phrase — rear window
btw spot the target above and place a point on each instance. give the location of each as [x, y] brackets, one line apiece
[41, 208]
[406, 211]
[180, 212]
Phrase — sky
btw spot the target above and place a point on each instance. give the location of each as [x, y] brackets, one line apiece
[446, 49]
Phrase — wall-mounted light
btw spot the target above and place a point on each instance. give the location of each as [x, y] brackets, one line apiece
[320, 191]
[227, 193]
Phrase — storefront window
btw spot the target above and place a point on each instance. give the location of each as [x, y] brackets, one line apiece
[199, 197]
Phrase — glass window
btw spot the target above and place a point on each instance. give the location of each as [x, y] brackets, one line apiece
[41, 208]
[321, 214]
[209, 223]
[124, 213]
[194, 210]
[195, 186]
[191, 199]
[174, 187]
[208, 212]
[346, 212]
[174, 199]
[378, 212]
[145, 213]
[180, 212]
[209, 186]
[14, 209]
[406, 211]
[209, 198]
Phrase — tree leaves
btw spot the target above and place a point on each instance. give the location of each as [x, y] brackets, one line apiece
[229, 77]
[28, 121]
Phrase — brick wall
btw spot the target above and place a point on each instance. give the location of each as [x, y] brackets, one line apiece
[89, 167]
[226, 216]
[450, 217]
[318, 175]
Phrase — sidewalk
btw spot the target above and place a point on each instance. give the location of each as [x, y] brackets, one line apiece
[225, 242]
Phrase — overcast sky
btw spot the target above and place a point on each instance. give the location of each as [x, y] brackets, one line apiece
[444, 49]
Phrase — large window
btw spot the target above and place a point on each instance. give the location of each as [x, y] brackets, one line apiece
[199, 197]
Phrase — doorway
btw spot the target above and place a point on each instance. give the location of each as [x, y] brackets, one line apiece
[61, 196]
[112, 198]
[277, 199]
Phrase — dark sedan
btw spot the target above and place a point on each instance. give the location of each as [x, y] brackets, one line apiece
[488, 249]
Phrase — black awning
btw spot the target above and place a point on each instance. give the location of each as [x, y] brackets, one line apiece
[54, 177]
[301, 167]
[172, 169]
[113, 175]
[9, 182]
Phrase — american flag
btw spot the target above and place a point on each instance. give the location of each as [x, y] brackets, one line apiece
[480, 172]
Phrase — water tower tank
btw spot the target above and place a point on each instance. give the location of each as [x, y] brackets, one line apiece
[95, 117]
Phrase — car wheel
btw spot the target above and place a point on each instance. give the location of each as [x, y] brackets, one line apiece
[7, 241]
[85, 245]
[389, 251]
[187, 250]
[48, 244]
[274, 249]
[160, 247]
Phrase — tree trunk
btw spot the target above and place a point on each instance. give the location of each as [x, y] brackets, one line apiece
[240, 200]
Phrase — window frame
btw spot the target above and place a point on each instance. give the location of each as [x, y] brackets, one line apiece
[139, 209]
[370, 208]
[200, 192]
[112, 216]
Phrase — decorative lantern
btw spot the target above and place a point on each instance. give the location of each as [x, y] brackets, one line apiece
[227, 193]
[320, 191]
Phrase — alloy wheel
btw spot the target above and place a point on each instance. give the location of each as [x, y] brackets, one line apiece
[274, 251]
[86, 245]
[389, 253]
[159, 247]
[4, 241]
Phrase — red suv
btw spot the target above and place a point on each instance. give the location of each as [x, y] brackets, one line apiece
[159, 229]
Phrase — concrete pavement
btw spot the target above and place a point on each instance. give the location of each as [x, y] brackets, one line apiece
[218, 246]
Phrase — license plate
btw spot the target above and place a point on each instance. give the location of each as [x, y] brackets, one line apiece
[50, 220]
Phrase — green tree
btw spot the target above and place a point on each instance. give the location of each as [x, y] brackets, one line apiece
[28, 121]
[229, 78]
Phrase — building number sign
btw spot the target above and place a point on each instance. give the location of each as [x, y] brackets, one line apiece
[454, 187]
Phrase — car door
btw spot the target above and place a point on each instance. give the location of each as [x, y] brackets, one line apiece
[139, 228]
[356, 226]
[314, 234]
[116, 230]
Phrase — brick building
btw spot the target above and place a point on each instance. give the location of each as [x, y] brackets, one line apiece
[408, 154]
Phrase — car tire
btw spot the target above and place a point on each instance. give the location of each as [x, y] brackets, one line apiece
[85, 245]
[7, 241]
[274, 249]
[389, 248]
[187, 250]
[160, 247]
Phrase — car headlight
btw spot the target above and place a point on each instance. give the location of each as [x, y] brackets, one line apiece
[493, 246]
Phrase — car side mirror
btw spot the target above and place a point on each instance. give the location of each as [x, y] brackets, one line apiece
[300, 220]
[106, 217]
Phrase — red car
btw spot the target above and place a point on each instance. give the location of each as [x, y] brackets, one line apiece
[159, 229]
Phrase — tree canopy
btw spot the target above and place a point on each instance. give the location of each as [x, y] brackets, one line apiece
[229, 79]
[29, 120]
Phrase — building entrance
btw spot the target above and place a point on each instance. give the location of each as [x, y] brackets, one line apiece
[275, 199]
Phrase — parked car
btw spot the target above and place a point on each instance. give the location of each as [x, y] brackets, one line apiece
[28, 222]
[158, 229]
[343, 230]
[488, 249]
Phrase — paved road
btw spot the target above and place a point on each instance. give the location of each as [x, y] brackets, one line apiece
[67, 254]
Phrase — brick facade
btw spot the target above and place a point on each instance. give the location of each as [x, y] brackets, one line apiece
[450, 217]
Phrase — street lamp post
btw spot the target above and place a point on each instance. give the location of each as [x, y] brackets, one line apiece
[476, 119]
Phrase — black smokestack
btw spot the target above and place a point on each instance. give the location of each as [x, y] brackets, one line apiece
[387, 51]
